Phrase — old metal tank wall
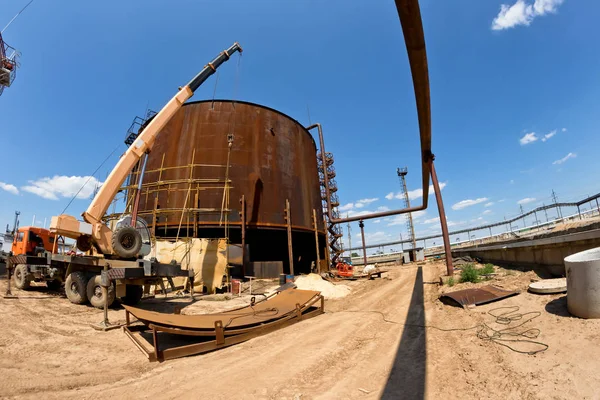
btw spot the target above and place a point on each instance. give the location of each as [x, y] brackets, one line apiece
[272, 159]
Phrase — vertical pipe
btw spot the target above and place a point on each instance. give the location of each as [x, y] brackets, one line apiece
[138, 192]
[9, 265]
[440, 205]
[579, 212]
[361, 224]
[490, 232]
[316, 240]
[243, 212]
[327, 254]
[154, 216]
[289, 235]
[597, 206]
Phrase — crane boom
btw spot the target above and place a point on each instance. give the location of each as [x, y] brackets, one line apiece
[100, 233]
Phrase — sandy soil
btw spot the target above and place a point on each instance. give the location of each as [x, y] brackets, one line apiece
[359, 349]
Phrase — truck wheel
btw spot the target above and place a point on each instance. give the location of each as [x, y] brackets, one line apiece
[76, 287]
[54, 285]
[95, 293]
[22, 277]
[126, 242]
[133, 295]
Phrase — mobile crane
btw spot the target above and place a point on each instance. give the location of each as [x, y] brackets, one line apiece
[125, 242]
[118, 252]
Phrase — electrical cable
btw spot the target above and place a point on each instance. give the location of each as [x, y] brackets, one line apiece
[88, 179]
[486, 332]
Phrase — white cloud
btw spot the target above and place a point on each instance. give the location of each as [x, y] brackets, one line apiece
[486, 212]
[346, 207]
[377, 221]
[414, 194]
[432, 220]
[353, 213]
[401, 218]
[358, 204]
[564, 129]
[564, 159]
[512, 181]
[382, 209]
[491, 203]
[528, 138]
[468, 203]
[501, 201]
[375, 237]
[526, 200]
[549, 135]
[452, 223]
[9, 188]
[522, 13]
[367, 201]
[62, 186]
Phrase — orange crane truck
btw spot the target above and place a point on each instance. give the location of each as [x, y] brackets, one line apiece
[36, 258]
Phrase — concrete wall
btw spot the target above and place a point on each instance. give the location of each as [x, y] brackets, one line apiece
[547, 252]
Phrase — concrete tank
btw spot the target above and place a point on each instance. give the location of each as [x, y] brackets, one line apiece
[583, 283]
[272, 159]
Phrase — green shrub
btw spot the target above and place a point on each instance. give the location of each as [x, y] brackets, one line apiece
[487, 269]
[469, 274]
[450, 281]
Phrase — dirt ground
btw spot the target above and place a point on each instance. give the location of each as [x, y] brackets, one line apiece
[360, 348]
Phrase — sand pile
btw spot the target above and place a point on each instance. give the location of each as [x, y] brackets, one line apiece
[327, 289]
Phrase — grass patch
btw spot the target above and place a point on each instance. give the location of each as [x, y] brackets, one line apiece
[487, 269]
[450, 282]
[469, 274]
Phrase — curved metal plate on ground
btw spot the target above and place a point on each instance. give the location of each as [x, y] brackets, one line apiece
[272, 309]
[549, 286]
[476, 296]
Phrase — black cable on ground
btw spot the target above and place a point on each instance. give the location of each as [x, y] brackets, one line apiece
[486, 332]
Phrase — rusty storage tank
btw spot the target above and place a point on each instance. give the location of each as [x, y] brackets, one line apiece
[272, 161]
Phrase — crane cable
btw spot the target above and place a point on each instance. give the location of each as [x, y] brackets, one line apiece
[15, 17]
[89, 178]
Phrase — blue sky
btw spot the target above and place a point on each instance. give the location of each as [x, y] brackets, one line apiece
[514, 89]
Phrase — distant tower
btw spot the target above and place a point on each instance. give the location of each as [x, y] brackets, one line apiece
[409, 221]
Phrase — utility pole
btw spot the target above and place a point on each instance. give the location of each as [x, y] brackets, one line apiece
[556, 202]
[522, 212]
[545, 212]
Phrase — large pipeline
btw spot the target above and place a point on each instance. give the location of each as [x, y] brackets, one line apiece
[412, 28]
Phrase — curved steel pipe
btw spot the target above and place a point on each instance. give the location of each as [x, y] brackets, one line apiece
[412, 28]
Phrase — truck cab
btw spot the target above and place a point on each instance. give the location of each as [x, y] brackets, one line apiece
[31, 241]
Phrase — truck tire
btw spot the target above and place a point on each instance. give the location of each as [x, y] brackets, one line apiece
[54, 285]
[126, 242]
[133, 295]
[76, 287]
[95, 293]
[22, 277]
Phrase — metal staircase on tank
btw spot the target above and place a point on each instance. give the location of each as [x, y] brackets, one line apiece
[335, 230]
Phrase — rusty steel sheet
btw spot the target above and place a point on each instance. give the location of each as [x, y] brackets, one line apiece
[272, 309]
[160, 336]
[273, 158]
[476, 296]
